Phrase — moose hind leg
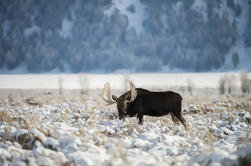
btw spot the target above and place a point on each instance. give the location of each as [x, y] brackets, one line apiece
[174, 118]
[182, 120]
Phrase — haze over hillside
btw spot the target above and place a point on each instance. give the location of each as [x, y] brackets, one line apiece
[108, 36]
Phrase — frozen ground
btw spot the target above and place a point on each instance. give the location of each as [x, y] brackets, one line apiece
[40, 127]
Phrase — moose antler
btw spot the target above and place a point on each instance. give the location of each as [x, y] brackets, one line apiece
[133, 92]
[106, 94]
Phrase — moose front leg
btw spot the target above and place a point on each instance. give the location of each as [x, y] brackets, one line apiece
[140, 117]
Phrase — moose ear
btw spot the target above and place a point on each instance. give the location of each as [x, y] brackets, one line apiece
[115, 98]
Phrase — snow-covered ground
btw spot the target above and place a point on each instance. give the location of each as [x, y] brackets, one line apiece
[41, 127]
[86, 132]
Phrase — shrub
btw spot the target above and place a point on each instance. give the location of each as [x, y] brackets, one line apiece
[60, 85]
[83, 81]
[222, 84]
[244, 83]
[190, 86]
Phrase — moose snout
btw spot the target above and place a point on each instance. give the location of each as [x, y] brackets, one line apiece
[122, 117]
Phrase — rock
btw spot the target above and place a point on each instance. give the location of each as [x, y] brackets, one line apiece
[233, 128]
[59, 158]
[51, 143]
[193, 109]
[44, 160]
[4, 153]
[222, 124]
[97, 112]
[98, 140]
[84, 116]
[142, 144]
[248, 120]
[79, 159]
[18, 163]
[213, 128]
[224, 115]
[242, 113]
[25, 138]
[209, 109]
[31, 160]
[38, 135]
[225, 131]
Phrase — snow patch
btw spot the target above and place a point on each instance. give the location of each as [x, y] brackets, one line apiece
[135, 18]
[177, 7]
[31, 30]
[66, 31]
[200, 6]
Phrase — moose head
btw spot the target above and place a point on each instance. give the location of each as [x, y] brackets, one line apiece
[122, 101]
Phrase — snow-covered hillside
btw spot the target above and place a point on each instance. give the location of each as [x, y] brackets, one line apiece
[110, 36]
[40, 131]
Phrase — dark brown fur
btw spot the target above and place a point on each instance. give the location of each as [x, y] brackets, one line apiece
[152, 104]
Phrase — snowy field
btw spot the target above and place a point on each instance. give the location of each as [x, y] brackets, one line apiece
[38, 126]
[96, 81]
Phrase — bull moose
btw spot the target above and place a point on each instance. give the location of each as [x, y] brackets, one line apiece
[139, 102]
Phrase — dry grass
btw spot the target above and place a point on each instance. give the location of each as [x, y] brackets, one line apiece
[39, 97]
[204, 105]
[5, 116]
